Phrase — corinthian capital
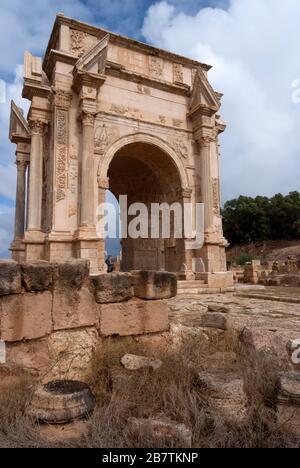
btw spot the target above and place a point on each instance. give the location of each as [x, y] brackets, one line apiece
[37, 127]
[88, 118]
[206, 140]
[62, 99]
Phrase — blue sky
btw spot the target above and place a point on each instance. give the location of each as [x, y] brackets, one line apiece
[253, 46]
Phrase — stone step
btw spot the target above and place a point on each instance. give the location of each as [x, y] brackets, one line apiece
[190, 283]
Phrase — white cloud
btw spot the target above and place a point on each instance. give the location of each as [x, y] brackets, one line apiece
[254, 49]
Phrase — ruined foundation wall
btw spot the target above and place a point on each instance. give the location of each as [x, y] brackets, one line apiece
[53, 315]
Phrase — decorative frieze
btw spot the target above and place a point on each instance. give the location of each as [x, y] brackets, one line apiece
[119, 109]
[61, 153]
[216, 195]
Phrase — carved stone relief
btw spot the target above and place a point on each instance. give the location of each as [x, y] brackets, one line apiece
[105, 136]
[216, 195]
[177, 73]
[81, 42]
[61, 153]
[177, 123]
[119, 109]
[181, 148]
[156, 66]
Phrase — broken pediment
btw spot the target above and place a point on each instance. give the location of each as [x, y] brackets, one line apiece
[203, 94]
[94, 61]
[18, 128]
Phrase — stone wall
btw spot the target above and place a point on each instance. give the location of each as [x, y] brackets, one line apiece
[53, 315]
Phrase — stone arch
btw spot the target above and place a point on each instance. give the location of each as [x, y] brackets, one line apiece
[148, 139]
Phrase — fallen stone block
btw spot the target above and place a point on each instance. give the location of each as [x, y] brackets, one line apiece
[154, 285]
[10, 278]
[288, 403]
[135, 317]
[163, 429]
[112, 288]
[214, 320]
[226, 392]
[133, 362]
[37, 276]
[293, 350]
[25, 316]
[218, 308]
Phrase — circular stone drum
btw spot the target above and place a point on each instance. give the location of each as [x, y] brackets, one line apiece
[62, 401]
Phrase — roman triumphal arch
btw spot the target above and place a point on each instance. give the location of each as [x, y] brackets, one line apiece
[110, 113]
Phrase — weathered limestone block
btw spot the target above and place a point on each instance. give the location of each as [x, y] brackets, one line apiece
[70, 353]
[226, 392]
[61, 402]
[133, 362]
[10, 278]
[152, 285]
[218, 308]
[214, 320]
[31, 356]
[112, 288]
[73, 300]
[259, 339]
[72, 274]
[73, 309]
[135, 317]
[37, 276]
[288, 402]
[163, 429]
[25, 316]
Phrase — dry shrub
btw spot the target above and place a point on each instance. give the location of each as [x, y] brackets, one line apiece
[16, 429]
[173, 392]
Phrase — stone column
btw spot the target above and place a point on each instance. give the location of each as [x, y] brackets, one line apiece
[36, 177]
[87, 218]
[20, 198]
[206, 182]
[103, 186]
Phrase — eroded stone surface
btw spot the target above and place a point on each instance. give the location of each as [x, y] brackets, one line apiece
[154, 285]
[112, 288]
[164, 429]
[70, 353]
[73, 308]
[10, 278]
[133, 362]
[37, 276]
[135, 317]
[25, 316]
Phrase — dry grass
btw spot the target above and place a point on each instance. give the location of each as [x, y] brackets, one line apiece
[171, 392]
[16, 429]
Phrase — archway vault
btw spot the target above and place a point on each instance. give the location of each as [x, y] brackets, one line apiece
[147, 171]
[146, 139]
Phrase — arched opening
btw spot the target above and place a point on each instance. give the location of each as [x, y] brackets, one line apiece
[146, 174]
